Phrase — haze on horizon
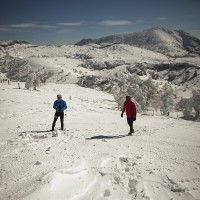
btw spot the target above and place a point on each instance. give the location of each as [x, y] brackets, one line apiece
[68, 21]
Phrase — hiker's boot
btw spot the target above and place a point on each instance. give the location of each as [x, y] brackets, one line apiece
[53, 125]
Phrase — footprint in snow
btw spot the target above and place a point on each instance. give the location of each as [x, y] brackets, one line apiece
[107, 193]
[123, 159]
[132, 185]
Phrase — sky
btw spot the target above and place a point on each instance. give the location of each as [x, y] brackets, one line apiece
[69, 21]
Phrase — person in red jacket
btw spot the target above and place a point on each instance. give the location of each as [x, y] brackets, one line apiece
[130, 109]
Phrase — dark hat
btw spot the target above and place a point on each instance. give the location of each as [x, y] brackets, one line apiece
[59, 96]
[128, 97]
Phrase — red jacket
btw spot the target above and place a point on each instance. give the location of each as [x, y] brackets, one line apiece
[130, 108]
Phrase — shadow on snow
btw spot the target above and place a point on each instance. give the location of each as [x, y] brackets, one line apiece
[106, 137]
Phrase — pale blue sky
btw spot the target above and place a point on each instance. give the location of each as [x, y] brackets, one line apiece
[68, 21]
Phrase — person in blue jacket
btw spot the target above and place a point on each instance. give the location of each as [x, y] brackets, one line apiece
[59, 105]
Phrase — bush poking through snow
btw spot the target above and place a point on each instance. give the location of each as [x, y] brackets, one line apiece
[196, 102]
[32, 81]
[38, 163]
[167, 99]
[186, 105]
[176, 188]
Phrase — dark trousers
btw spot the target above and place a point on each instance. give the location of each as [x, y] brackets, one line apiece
[61, 115]
[130, 123]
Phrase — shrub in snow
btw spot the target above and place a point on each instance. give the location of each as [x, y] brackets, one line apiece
[154, 75]
[38, 163]
[29, 82]
[185, 106]
[36, 83]
[171, 76]
[138, 96]
[156, 102]
[196, 102]
[138, 69]
[167, 99]
[32, 81]
[143, 93]
[149, 90]
[88, 81]
[177, 188]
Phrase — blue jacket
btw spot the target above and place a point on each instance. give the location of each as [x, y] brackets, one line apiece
[60, 105]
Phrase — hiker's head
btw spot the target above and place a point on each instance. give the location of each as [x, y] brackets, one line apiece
[59, 96]
[128, 97]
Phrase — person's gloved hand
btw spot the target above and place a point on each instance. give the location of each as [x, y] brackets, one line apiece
[122, 115]
[58, 109]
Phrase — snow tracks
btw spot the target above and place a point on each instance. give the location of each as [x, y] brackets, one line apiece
[93, 158]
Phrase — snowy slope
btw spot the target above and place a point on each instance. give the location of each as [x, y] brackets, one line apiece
[74, 64]
[71, 60]
[168, 42]
[93, 158]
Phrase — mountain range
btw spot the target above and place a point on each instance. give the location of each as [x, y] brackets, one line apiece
[169, 42]
[161, 54]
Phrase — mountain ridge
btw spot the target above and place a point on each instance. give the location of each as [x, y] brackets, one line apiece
[174, 43]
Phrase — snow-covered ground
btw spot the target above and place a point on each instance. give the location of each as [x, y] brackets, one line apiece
[93, 158]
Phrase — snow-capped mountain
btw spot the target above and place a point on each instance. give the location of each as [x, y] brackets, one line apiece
[168, 42]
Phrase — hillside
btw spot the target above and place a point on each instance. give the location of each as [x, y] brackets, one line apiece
[93, 158]
[114, 68]
[168, 42]
[75, 64]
